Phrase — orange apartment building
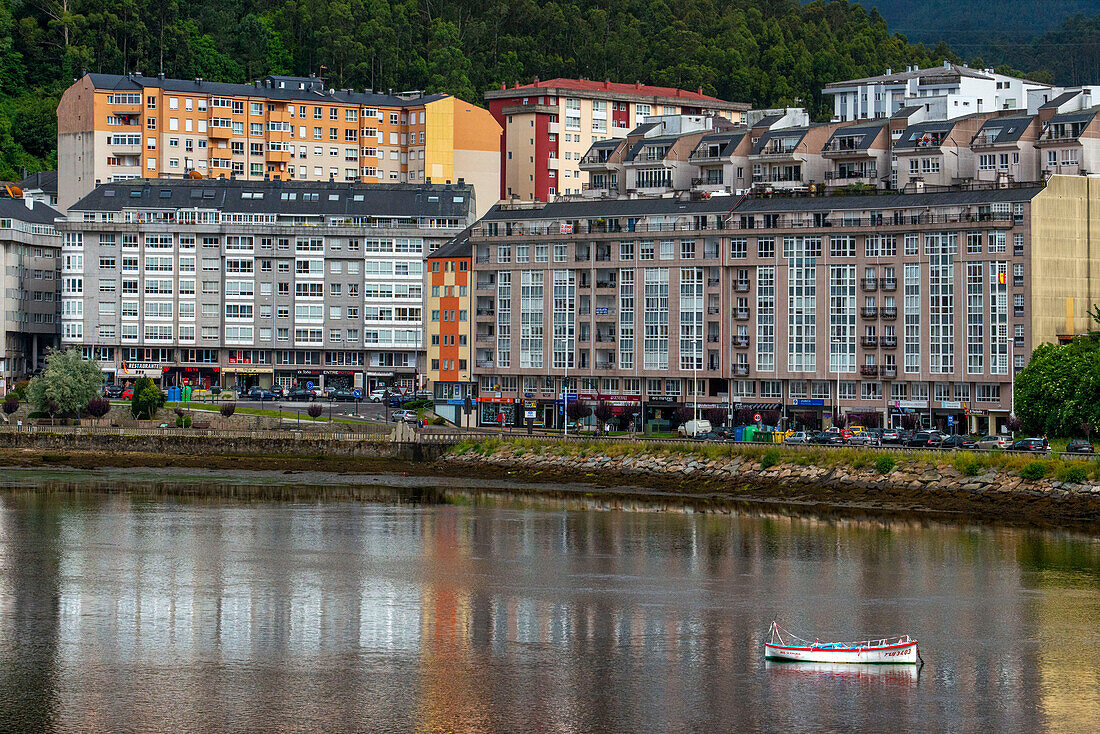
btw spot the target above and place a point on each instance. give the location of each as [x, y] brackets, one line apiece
[448, 320]
[113, 128]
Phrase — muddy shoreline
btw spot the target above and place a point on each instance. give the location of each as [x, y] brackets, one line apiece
[696, 493]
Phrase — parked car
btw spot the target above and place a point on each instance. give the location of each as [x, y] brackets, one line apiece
[376, 396]
[925, 440]
[707, 436]
[278, 391]
[128, 394]
[1079, 446]
[994, 442]
[862, 438]
[692, 428]
[300, 394]
[342, 395]
[112, 391]
[890, 436]
[828, 438]
[260, 393]
[798, 437]
[960, 441]
[1033, 445]
[408, 416]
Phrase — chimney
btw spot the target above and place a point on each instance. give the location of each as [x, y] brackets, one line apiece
[700, 90]
[637, 85]
[889, 71]
[198, 81]
[160, 76]
[536, 81]
[503, 85]
[29, 201]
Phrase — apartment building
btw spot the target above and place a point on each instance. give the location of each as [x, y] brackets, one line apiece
[448, 324]
[922, 303]
[114, 128]
[231, 282]
[30, 250]
[550, 125]
[943, 92]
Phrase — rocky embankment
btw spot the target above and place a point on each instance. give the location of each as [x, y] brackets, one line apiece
[907, 482]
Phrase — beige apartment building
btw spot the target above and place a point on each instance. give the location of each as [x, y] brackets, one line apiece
[113, 128]
[550, 125]
[884, 304]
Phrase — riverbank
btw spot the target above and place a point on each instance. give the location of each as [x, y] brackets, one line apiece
[700, 478]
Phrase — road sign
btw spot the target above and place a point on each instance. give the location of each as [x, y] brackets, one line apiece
[528, 414]
[309, 385]
[357, 393]
[756, 417]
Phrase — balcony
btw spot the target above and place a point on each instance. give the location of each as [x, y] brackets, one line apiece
[712, 282]
[889, 342]
[484, 338]
[486, 312]
[606, 284]
[486, 285]
[486, 363]
[868, 284]
[868, 341]
[890, 313]
[284, 156]
[845, 148]
[606, 313]
[126, 149]
[605, 365]
[868, 370]
[1018, 342]
[888, 284]
[741, 370]
[552, 163]
[869, 312]
[1017, 310]
[741, 342]
[217, 131]
[889, 370]
[741, 314]
[712, 338]
[741, 286]
[713, 310]
[606, 338]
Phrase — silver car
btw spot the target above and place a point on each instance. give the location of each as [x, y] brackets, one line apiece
[798, 437]
[994, 442]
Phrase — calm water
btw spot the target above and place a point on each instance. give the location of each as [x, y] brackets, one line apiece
[158, 613]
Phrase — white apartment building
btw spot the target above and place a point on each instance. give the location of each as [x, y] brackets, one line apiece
[225, 282]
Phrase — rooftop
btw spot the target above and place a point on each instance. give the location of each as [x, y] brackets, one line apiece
[457, 246]
[307, 198]
[947, 70]
[45, 181]
[617, 89]
[294, 89]
[17, 209]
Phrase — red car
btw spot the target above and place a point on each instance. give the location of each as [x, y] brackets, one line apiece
[128, 394]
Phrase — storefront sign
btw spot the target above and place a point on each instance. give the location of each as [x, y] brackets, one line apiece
[910, 403]
[660, 400]
[809, 401]
[951, 404]
[249, 370]
[494, 400]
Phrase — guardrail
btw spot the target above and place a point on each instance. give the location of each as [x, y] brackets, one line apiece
[368, 432]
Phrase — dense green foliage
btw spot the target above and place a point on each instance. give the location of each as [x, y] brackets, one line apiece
[66, 385]
[766, 52]
[147, 400]
[1059, 391]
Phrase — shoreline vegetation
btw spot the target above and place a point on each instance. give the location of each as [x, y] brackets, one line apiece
[983, 487]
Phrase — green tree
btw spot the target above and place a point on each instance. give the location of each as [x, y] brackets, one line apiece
[147, 400]
[68, 383]
[1059, 390]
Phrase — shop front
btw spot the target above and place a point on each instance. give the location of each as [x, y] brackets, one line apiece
[342, 379]
[950, 416]
[247, 377]
[808, 414]
[658, 413]
[490, 408]
[449, 400]
[202, 377]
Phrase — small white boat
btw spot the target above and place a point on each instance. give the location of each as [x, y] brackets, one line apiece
[783, 645]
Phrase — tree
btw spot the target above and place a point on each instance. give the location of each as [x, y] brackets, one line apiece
[603, 412]
[680, 416]
[228, 409]
[98, 407]
[11, 403]
[839, 419]
[628, 417]
[315, 410]
[147, 400]
[770, 417]
[69, 382]
[1060, 387]
[579, 410]
[716, 416]
[910, 421]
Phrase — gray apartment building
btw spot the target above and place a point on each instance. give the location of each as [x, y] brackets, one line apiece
[226, 282]
[923, 303]
[30, 248]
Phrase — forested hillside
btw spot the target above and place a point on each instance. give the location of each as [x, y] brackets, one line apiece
[766, 52]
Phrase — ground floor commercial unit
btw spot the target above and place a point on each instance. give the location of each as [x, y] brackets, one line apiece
[875, 307]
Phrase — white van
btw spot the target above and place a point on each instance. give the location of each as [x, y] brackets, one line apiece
[692, 428]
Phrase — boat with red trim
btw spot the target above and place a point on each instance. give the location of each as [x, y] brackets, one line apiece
[782, 644]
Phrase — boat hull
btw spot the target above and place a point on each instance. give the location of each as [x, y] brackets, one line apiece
[888, 655]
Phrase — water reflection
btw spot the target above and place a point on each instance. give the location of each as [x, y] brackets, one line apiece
[490, 613]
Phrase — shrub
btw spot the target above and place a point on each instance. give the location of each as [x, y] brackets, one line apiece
[96, 407]
[885, 464]
[439, 421]
[769, 459]
[11, 403]
[228, 409]
[1073, 473]
[183, 421]
[315, 410]
[968, 464]
[147, 400]
[1033, 470]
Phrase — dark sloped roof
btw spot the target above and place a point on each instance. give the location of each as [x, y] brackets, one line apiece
[648, 142]
[867, 134]
[1071, 117]
[458, 246]
[1011, 128]
[17, 209]
[597, 208]
[333, 199]
[768, 120]
[1058, 101]
[289, 93]
[727, 141]
[913, 133]
[46, 181]
[886, 201]
[783, 132]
